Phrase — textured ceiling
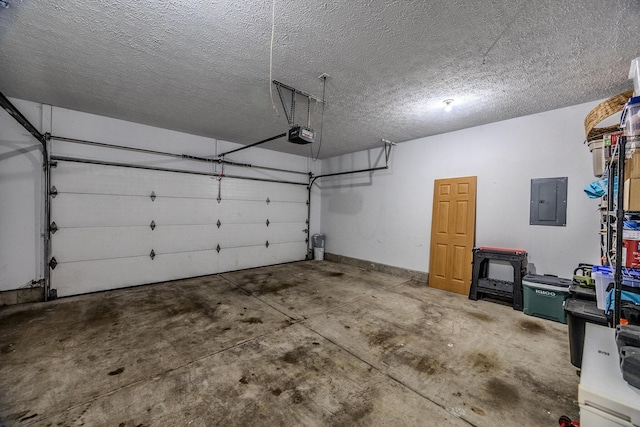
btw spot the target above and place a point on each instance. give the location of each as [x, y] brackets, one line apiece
[203, 66]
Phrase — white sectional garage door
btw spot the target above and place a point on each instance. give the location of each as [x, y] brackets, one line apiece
[120, 226]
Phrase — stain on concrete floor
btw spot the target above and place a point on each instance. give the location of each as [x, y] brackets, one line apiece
[309, 343]
[531, 327]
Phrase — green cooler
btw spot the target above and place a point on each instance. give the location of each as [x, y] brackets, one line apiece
[544, 296]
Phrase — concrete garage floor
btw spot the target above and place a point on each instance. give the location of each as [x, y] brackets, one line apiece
[302, 344]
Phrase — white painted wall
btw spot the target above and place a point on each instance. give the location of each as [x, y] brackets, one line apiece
[386, 216]
[21, 224]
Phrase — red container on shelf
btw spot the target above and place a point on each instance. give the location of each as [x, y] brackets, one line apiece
[631, 253]
[610, 141]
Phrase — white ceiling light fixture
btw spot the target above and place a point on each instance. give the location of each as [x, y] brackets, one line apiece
[447, 104]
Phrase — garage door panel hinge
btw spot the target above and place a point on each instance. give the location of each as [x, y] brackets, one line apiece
[307, 203]
[152, 255]
[306, 221]
[53, 228]
[218, 248]
[268, 201]
[53, 263]
[219, 199]
[267, 244]
[218, 223]
[306, 240]
[305, 230]
[152, 225]
[53, 164]
[53, 192]
[153, 196]
[268, 222]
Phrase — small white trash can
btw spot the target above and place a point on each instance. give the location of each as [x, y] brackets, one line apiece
[318, 254]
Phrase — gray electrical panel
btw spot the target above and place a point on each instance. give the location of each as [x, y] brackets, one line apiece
[548, 201]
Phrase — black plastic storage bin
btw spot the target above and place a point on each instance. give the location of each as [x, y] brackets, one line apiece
[581, 292]
[579, 312]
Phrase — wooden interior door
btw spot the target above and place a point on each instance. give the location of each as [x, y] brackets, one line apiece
[453, 234]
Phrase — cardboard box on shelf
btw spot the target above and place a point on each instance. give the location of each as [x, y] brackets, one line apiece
[632, 195]
[632, 166]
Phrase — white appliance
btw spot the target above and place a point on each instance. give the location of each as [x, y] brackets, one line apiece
[606, 400]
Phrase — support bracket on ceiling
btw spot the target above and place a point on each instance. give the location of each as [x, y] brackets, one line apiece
[387, 149]
[387, 146]
[290, 113]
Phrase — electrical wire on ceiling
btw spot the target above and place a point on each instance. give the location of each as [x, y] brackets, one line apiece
[506, 28]
[273, 32]
[323, 76]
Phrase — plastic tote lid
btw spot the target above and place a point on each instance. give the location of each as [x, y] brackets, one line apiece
[547, 280]
[632, 102]
[585, 310]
